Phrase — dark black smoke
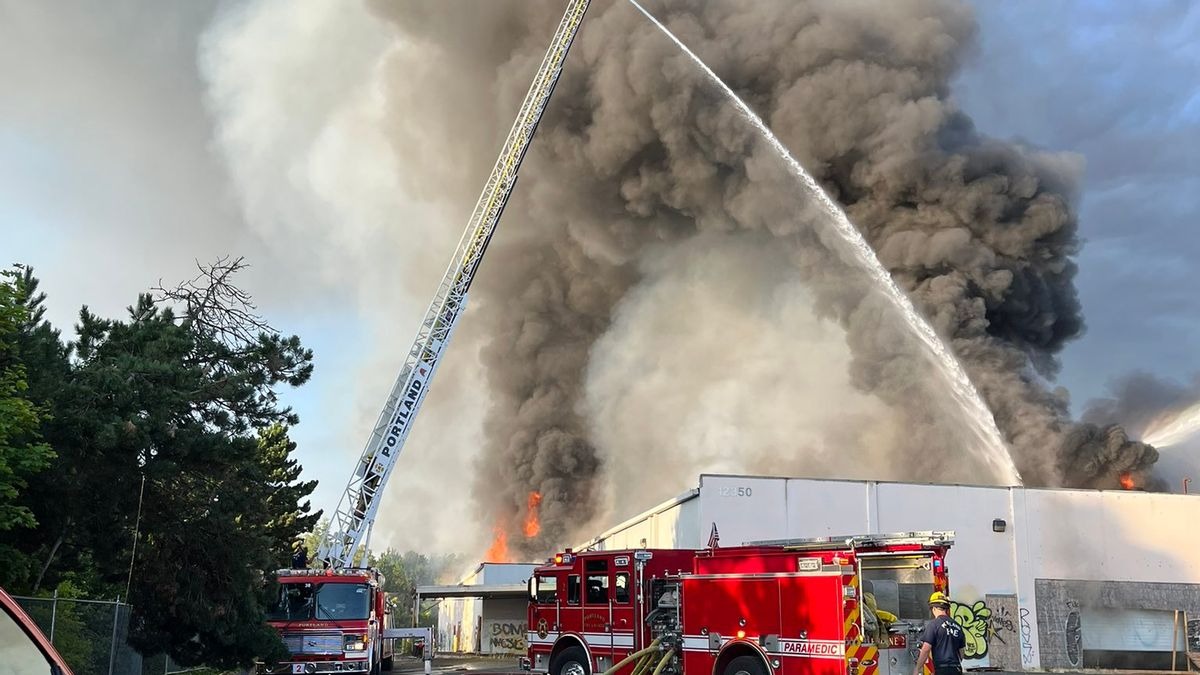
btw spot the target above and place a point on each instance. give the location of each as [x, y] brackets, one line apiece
[638, 149]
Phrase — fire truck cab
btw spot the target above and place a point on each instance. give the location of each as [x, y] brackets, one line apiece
[332, 621]
[849, 605]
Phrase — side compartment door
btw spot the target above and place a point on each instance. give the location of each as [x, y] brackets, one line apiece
[812, 627]
[719, 609]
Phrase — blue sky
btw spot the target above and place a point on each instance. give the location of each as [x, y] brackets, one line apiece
[1119, 83]
[109, 182]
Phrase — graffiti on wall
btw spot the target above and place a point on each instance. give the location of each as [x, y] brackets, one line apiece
[1004, 625]
[1073, 634]
[1027, 655]
[976, 621]
[505, 636]
[1004, 641]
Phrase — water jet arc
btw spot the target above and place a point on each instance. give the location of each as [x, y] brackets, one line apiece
[980, 421]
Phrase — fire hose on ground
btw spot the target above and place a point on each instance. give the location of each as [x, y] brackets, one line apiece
[644, 658]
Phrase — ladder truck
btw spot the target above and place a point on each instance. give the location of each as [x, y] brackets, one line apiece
[324, 639]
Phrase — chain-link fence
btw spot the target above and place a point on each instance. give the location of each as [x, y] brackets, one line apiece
[91, 635]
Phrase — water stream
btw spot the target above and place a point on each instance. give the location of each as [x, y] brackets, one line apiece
[978, 418]
[1174, 429]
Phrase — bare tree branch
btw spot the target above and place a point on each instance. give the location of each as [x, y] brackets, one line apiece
[215, 306]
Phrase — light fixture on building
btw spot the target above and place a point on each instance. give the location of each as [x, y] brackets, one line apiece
[642, 543]
[998, 525]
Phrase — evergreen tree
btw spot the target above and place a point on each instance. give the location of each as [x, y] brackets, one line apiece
[22, 453]
[168, 430]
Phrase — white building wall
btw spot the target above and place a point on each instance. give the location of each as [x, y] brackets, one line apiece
[672, 524]
[502, 573]
[809, 513]
[1117, 536]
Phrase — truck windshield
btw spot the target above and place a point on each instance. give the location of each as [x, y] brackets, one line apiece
[547, 590]
[343, 601]
[330, 601]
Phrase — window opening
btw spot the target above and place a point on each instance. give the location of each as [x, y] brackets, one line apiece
[597, 589]
[547, 590]
[573, 589]
[622, 587]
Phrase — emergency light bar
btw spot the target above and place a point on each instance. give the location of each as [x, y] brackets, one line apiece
[352, 572]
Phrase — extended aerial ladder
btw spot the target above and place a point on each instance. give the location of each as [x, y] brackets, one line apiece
[349, 531]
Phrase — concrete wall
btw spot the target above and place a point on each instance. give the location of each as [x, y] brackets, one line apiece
[1113, 536]
[503, 626]
[487, 626]
[1076, 615]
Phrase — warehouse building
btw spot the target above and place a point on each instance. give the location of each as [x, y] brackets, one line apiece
[1041, 578]
[485, 612]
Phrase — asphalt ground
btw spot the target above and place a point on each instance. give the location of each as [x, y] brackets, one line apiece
[507, 665]
[455, 663]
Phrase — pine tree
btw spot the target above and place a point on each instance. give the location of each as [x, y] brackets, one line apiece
[22, 452]
[168, 429]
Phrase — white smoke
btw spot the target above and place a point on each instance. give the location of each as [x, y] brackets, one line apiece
[772, 396]
[297, 92]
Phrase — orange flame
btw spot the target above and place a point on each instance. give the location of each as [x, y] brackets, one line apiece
[532, 524]
[498, 551]
[1127, 481]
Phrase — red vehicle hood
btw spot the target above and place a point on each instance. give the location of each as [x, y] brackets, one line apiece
[31, 629]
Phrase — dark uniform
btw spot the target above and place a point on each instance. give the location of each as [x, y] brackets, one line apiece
[945, 639]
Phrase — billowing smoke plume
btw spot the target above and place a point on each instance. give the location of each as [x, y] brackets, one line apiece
[638, 155]
[1140, 400]
[1159, 411]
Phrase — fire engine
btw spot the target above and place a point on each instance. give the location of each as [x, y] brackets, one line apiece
[827, 606]
[332, 621]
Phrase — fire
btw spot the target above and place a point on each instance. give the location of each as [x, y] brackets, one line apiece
[1127, 481]
[532, 524]
[498, 551]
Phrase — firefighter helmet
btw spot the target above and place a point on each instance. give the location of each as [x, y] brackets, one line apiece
[939, 599]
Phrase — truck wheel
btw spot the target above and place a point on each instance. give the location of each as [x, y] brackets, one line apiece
[387, 663]
[572, 661]
[375, 662]
[745, 665]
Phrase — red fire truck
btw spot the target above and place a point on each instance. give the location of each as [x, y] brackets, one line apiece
[829, 606]
[332, 621]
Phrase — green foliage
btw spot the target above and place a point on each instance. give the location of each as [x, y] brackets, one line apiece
[82, 631]
[403, 572]
[22, 453]
[186, 403]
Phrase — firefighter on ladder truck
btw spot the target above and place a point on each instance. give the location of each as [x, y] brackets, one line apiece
[794, 607]
[319, 641]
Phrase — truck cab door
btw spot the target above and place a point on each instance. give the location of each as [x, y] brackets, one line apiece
[623, 620]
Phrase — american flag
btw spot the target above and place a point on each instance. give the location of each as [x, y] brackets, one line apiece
[713, 538]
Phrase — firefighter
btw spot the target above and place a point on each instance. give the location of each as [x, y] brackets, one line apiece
[299, 555]
[943, 640]
[878, 621]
